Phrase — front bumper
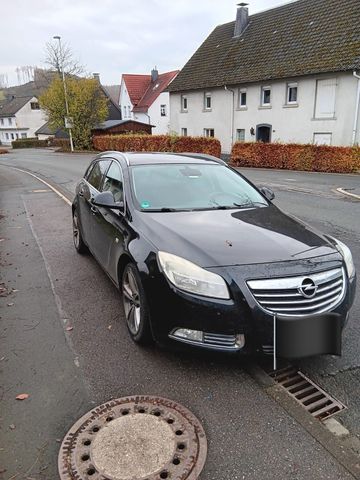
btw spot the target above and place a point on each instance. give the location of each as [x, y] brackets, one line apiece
[241, 315]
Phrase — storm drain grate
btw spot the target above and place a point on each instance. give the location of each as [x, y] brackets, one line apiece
[141, 437]
[315, 400]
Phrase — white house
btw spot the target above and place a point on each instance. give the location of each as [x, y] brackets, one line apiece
[142, 98]
[286, 74]
[20, 117]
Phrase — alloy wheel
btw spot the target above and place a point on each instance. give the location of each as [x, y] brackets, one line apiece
[131, 299]
[76, 232]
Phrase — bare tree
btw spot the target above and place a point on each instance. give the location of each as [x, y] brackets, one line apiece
[57, 59]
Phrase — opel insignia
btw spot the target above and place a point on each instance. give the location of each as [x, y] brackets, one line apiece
[201, 256]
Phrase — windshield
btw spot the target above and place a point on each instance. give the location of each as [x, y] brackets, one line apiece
[174, 187]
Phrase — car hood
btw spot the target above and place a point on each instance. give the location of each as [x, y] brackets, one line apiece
[233, 237]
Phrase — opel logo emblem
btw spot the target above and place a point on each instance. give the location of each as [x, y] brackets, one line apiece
[308, 288]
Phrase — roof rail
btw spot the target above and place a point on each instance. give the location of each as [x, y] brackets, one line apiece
[114, 152]
[201, 156]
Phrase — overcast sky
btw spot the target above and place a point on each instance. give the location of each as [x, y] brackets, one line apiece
[112, 36]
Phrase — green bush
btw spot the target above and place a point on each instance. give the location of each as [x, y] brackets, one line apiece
[29, 143]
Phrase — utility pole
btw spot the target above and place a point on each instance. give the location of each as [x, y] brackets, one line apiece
[67, 118]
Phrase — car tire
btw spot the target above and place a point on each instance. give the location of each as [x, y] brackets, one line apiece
[77, 236]
[135, 306]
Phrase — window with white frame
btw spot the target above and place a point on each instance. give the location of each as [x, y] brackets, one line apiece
[12, 136]
[34, 106]
[129, 111]
[265, 96]
[209, 132]
[163, 110]
[242, 98]
[10, 121]
[7, 136]
[184, 103]
[125, 113]
[17, 136]
[24, 135]
[207, 101]
[184, 132]
[240, 134]
[1, 121]
[323, 138]
[325, 98]
[292, 93]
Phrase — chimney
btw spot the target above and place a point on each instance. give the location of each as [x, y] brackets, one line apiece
[154, 74]
[242, 19]
[97, 76]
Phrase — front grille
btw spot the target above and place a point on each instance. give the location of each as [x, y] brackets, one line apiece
[286, 296]
[219, 340]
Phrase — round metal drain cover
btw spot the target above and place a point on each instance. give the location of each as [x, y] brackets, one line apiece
[134, 438]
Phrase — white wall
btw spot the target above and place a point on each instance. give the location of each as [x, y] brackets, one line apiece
[125, 102]
[289, 124]
[30, 119]
[162, 124]
[26, 121]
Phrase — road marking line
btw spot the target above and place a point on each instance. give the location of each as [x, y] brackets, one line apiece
[344, 192]
[66, 200]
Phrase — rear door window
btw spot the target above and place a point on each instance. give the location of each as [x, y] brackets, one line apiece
[98, 172]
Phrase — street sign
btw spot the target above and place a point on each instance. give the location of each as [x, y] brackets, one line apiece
[69, 122]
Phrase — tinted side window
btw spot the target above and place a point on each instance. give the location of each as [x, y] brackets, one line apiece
[97, 173]
[114, 182]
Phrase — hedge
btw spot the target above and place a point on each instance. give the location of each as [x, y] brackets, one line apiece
[63, 143]
[314, 158]
[157, 143]
[29, 143]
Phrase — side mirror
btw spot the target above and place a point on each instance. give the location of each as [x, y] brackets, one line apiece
[268, 193]
[106, 199]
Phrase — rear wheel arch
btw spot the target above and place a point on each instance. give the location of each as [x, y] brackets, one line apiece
[123, 261]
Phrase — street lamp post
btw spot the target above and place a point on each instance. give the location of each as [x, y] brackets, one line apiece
[57, 37]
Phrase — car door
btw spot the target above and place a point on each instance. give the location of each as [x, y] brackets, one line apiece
[109, 224]
[87, 190]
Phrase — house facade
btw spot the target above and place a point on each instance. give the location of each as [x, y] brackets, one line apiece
[143, 98]
[288, 74]
[20, 117]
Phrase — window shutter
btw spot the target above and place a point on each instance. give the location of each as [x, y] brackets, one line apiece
[325, 98]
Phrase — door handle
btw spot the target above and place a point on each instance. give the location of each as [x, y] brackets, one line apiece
[81, 193]
[94, 209]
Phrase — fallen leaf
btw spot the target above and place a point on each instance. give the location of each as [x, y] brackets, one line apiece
[12, 427]
[68, 329]
[109, 327]
[22, 396]
[10, 304]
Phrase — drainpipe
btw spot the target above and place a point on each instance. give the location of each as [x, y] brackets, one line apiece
[357, 108]
[232, 113]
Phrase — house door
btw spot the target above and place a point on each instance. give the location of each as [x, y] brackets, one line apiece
[263, 133]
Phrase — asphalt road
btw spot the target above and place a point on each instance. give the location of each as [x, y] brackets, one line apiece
[64, 341]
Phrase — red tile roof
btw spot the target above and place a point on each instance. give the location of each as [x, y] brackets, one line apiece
[143, 92]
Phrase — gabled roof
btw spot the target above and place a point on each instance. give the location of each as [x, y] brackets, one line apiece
[136, 85]
[11, 105]
[113, 92]
[114, 123]
[143, 91]
[301, 38]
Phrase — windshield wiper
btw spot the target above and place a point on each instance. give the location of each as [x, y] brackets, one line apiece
[163, 209]
[250, 204]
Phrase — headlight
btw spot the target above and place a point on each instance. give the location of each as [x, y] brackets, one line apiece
[347, 256]
[191, 278]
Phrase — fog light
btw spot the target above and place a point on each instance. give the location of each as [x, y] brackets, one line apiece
[240, 341]
[193, 335]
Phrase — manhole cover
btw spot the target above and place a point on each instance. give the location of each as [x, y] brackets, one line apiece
[134, 438]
